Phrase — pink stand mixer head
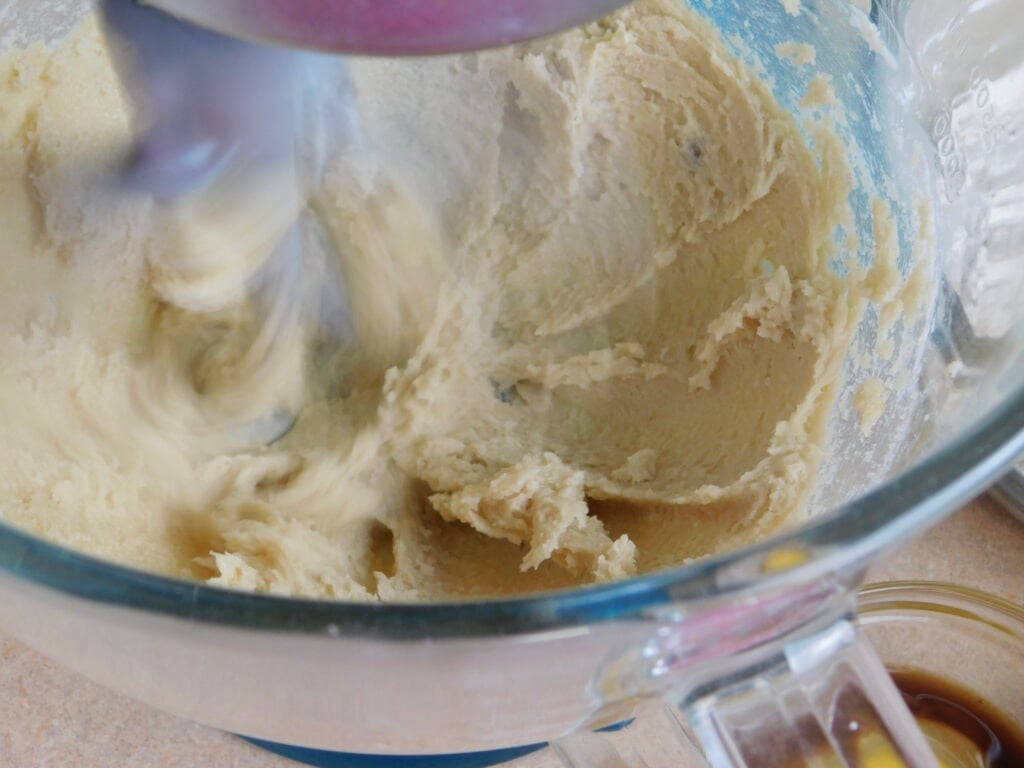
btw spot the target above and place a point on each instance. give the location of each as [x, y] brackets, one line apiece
[390, 28]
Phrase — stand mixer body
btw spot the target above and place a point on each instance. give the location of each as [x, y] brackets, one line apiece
[409, 27]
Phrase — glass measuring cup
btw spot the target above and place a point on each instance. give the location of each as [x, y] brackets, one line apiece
[968, 639]
[429, 679]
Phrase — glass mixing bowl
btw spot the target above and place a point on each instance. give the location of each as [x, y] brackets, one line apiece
[744, 644]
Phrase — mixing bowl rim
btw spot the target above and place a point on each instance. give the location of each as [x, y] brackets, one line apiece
[903, 597]
[839, 541]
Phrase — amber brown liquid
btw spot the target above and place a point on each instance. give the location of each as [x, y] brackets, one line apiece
[999, 738]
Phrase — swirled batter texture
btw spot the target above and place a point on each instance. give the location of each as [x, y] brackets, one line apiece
[573, 320]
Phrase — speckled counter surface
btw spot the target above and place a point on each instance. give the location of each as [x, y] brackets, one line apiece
[52, 717]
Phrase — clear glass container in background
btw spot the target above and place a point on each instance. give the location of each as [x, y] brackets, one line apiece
[966, 637]
[953, 634]
[943, 76]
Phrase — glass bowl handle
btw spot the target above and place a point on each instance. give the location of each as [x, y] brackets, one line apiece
[818, 697]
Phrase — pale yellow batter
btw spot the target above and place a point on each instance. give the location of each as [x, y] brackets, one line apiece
[592, 326]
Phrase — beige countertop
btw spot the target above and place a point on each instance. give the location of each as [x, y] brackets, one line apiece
[53, 717]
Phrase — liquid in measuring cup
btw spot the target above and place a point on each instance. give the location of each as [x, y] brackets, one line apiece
[960, 724]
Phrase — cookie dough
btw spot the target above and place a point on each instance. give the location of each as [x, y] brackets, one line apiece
[575, 321]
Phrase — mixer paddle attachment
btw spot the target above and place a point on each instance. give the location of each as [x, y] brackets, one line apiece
[219, 121]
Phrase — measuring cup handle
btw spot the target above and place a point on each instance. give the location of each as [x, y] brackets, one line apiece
[822, 697]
